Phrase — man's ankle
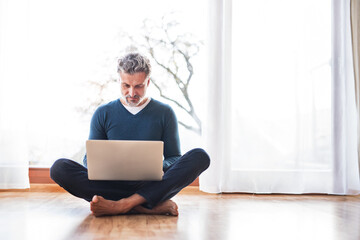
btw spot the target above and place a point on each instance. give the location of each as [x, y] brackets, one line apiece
[133, 201]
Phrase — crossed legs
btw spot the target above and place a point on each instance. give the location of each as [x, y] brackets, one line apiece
[121, 197]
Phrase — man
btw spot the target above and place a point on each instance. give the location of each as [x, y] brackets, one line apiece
[134, 117]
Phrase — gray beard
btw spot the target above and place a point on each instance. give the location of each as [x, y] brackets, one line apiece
[131, 104]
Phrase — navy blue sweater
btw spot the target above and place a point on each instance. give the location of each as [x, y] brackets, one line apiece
[157, 121]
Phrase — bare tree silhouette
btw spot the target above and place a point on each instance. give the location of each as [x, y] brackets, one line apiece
[172, 51]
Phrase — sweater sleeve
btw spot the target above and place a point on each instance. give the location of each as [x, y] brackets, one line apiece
[171, 140]
[97, 129]
[97, 125]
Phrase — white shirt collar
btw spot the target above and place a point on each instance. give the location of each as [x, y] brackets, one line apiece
[136, 110]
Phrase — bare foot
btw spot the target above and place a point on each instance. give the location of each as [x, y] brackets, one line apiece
[100, 206]
[165, 208]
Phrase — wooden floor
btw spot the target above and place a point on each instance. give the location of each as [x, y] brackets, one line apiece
[47, 213]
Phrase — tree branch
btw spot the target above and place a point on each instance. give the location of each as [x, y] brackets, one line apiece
[167, 98]
[197, 130]
[177, 79]
[183, 87]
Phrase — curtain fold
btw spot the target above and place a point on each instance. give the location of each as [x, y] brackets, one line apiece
[14, 93]
[345, 154]
[282, 112]
[355, 34]
[216, 128]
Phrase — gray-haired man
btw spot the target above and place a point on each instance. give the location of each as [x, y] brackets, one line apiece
[134, 117]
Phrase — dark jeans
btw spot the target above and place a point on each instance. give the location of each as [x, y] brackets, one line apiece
[73, 177]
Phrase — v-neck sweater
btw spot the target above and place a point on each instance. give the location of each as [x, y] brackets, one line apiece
[157, 121]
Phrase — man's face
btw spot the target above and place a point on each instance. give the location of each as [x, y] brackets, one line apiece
[133, 88]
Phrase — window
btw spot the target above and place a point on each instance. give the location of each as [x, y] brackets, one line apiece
[74, 43]
[281, 85]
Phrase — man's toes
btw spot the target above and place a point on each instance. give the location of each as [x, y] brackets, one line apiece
[174, 211]
[92, 207]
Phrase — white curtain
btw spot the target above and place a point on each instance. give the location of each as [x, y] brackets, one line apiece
[14, 89]
[282, 115]
[346, 168]
[355, 33]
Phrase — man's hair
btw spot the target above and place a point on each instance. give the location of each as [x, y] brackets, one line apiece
[134, 63]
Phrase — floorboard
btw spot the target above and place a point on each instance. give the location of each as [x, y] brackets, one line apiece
[47, 212]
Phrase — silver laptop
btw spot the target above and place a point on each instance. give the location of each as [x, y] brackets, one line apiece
[124, 160]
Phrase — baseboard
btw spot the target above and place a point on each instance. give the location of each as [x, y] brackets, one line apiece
[40, 175]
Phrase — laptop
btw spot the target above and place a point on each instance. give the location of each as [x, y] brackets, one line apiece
[125, 160]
